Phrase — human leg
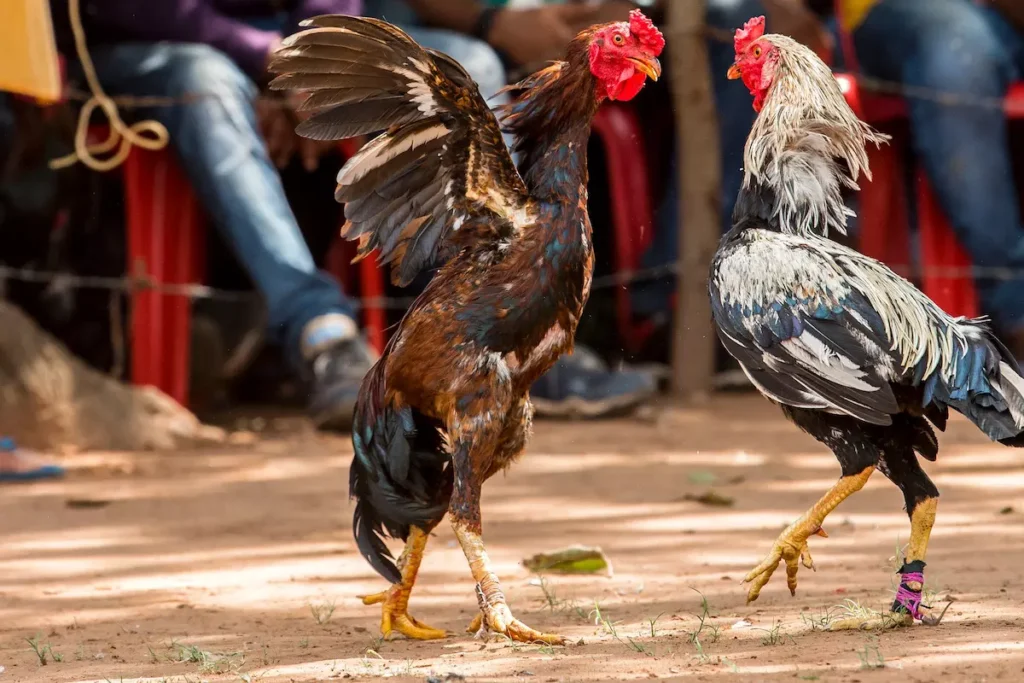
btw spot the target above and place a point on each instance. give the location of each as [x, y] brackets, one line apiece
[966, 54]
[735, 118]
[214, 131]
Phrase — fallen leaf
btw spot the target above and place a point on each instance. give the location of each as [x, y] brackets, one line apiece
[85, 504]
[710, 498]
[575, 559]
[702, 477]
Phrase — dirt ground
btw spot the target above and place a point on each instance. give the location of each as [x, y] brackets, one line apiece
[238, 564]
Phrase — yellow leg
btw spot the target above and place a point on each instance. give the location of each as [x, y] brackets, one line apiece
[394, 601]
[495, 614]
[791, 546]
[921, 521]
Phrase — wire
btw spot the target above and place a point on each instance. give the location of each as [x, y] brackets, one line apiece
[121, 136]
[194, 291]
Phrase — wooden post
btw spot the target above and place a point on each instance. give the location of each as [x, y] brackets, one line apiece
[694, 341]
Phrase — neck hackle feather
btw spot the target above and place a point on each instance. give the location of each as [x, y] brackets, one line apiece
[806, 144]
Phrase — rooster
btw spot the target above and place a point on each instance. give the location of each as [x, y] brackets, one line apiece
[855, 355]
[447, 405]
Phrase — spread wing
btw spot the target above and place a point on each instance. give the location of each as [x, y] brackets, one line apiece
[803, 335]
[439, 177]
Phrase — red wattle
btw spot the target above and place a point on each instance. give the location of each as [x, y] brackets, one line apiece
[630, 83]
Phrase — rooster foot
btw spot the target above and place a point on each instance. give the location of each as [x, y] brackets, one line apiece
[497, 618]
[874, 622]
[395, 618]
[791, 547]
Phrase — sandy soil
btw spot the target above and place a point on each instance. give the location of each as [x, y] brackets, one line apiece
[210, 565]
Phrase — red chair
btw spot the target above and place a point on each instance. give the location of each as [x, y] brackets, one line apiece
[619, 130]
[166, 245]
[883, 213]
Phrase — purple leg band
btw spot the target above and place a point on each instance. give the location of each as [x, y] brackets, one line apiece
[907, 599]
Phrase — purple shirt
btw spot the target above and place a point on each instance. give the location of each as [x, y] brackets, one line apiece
[218, 23]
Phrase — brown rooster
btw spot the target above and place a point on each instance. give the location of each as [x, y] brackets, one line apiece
[447, 405]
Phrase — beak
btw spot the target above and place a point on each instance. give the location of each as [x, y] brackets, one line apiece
[648, 66]
[734, 72]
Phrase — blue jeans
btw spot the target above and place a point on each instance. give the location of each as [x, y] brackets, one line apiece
[478, 58]
[218, 141]
[735, 118]
[957, 47]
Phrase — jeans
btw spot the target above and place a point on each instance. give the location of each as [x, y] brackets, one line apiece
[477, 57]
[973, 53]
[221, 150]
[735, 119]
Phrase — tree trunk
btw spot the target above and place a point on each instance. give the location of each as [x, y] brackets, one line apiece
[694, 343]
[50, 400]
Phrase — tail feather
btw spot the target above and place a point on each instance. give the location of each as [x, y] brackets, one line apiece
[401, 473]
[985, 385]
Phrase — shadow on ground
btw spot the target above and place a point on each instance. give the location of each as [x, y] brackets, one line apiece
[229, 559]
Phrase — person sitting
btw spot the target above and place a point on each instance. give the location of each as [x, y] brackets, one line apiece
[205, 58]
[963, 55]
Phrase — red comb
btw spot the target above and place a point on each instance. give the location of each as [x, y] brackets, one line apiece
[646, 32]
[751, 31]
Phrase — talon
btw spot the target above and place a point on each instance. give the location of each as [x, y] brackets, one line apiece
[498, 619]
[791, 548]
[889, 620]
[929, 619]
[476, 624]
[807, 560]
[375, 598]
[395, 618]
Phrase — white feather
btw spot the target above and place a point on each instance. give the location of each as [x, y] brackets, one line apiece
[383, 149]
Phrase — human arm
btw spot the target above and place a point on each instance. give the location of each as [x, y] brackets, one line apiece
[525, 36]
[188, 21]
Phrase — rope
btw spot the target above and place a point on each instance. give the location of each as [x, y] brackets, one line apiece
[122, 137]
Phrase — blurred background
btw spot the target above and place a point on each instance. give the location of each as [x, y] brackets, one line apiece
[191, 243]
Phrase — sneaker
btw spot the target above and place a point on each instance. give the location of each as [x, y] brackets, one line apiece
[337, 373]
[18, 464]
[582, 386]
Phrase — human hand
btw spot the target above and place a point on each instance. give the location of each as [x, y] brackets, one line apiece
[309, 150]
[528, 36]
[278, 129]
[582, 16]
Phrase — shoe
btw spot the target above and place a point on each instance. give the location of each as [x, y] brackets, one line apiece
[582, 386]
[336, 376]
[18, 464]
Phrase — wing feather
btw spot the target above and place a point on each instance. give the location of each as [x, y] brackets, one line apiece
[804, 340]
[439, 168]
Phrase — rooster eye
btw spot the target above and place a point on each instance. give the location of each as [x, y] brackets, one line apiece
[757, 51]
[618, 39]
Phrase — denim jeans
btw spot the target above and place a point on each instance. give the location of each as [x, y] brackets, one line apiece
[477, 57]
[735, 119]
[974, 54]
[222, 151]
